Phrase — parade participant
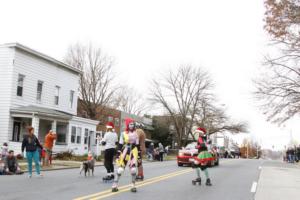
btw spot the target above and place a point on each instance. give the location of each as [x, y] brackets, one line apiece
[109, 141]
[142, 137]
[201, 161]
[128, 152]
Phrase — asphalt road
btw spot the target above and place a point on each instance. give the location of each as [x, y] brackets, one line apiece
[232, 180]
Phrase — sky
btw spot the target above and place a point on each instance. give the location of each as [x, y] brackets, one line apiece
[147, 37]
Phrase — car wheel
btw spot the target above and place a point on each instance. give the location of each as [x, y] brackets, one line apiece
[180, 164]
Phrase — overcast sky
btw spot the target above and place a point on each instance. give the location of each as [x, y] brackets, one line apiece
[145, 37]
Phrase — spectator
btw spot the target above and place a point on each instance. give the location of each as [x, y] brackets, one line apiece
[31, 144]
[4, 151]
[49, 140]
[298, 153]
[161, 151]
[1, 166]
[150, 152]
[11, 165]
[167, 150]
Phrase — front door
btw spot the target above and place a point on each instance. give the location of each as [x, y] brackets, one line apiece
[16, 131]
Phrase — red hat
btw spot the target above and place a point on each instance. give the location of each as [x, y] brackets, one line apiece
[200, 130]
[110, 125]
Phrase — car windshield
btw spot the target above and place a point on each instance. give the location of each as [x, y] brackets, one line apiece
[191, 146]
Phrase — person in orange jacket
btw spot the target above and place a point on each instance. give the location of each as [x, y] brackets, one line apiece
[49, 141]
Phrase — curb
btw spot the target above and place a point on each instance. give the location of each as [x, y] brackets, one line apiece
[44, 170]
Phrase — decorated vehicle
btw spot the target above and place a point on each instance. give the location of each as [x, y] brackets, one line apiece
[187, 154]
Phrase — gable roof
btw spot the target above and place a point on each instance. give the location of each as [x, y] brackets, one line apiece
[41, 55]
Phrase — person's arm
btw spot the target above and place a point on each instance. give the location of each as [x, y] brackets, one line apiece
[54, 136]
[104, 139]
[24, 143]
[38, 142]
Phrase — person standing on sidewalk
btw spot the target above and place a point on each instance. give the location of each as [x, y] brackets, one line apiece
[161, 152]
[142, 137]
[49, 140]
[31, 144]
[109, 141]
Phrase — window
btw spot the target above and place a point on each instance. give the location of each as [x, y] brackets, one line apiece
[56, 97]
[20, 85]
[78, 135]
[16, 131]
[73, 134]
[39, 91]
[61, 131]
[117, 122]
[86, 135]
[110, 119]
[71, 98]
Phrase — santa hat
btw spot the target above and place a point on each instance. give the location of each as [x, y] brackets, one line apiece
[110, 125]
[127, 122]
[200, 130]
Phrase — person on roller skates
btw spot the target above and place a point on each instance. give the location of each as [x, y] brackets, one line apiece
[128, 153]
[201, 161]
[109, 141]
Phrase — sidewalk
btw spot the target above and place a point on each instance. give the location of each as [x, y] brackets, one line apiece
[278, 183]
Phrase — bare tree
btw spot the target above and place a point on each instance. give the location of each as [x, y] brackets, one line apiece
[96, 81]
[278, 89]
[179, 93]
[215, 119]
[130, 100]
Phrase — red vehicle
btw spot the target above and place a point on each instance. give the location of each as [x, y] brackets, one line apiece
[186, 155]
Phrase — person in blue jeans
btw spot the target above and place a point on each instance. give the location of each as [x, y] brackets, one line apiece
[31, 144]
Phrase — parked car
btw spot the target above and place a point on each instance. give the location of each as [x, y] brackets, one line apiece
[186, 155]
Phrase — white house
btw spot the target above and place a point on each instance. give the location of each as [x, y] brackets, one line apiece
[41, 91]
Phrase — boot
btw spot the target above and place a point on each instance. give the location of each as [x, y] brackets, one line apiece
[208, 182]
[196, 181]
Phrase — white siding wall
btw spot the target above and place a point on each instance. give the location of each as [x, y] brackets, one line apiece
[6, 71]
[83, 123]
[36, 69]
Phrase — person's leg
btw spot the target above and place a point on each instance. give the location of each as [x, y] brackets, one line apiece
[111, 162]
[208, 181]
[29, 156]
[106, 161]
[46, 157]
[36, 162]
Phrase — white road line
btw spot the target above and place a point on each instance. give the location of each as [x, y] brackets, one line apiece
[253, 188]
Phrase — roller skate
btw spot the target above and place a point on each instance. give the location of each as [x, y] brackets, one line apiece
[196, 181]
[208, 182]
[115, 188]
[133, 189]
[107, 178]
[139, 178]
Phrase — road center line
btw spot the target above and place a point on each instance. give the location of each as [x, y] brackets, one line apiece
[142, 184]
[138, 184]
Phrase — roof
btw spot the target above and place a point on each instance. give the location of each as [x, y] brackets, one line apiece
[41, 55]
[41, 111]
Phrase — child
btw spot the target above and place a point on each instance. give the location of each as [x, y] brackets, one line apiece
[4, 151]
